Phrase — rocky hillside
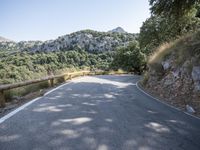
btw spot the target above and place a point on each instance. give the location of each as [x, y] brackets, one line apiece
[89, 40]
[18, 46]
[174, 73]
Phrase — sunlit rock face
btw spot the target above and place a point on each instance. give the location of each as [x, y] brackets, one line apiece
[86, 40]
[178, 84]
[89, 40]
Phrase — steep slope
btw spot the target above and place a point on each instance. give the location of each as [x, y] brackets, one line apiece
[174, 72]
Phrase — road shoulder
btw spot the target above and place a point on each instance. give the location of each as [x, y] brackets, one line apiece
[163, 101]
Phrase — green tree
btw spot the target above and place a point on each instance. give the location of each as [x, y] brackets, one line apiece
[177, 8]
[181, 13]
[129, 58]
[158, 29]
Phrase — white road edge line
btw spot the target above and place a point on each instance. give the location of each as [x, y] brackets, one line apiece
[12, 113]
[56, 88]
[165, 102]
[17, 110]
[34, 100]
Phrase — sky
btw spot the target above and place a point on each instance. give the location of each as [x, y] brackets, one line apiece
[48, 19]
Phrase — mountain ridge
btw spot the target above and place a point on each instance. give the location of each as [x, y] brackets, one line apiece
[115, 30]
[89, 40]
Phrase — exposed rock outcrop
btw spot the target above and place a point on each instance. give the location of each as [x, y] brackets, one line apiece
[174, 75]
[196, 77]
[89, 40]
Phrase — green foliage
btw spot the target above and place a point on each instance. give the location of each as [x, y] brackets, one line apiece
[177, 8]
[151, 33]
[129, 58]
[157, 30]
[24, 66]
[170, 20]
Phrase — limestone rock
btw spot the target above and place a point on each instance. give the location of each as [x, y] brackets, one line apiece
[168, 80]
[196, 78]
[196, 73]
[190, 109]
[88, 40]
[166, 64]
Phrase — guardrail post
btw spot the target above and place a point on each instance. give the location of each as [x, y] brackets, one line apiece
[70, 76]
[2, 99]
[65, 78]
[52, 82]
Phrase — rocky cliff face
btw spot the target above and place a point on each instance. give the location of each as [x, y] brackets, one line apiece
[176, 78]
[91, 41]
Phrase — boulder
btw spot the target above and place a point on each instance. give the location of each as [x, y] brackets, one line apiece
[166, 64]
[189, 109]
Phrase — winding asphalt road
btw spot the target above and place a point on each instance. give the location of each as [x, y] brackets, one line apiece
[99, 113]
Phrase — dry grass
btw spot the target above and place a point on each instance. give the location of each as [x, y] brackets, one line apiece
[183, 48]
[22, 91]
[160, 53]
[119, 71]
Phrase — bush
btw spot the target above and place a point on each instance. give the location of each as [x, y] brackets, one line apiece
[23, 66]
[129, 58]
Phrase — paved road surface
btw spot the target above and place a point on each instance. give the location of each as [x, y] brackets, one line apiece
[99, 113]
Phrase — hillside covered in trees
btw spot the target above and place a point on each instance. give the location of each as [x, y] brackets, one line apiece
[87, 49]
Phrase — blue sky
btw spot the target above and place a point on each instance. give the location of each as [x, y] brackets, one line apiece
[48, 19]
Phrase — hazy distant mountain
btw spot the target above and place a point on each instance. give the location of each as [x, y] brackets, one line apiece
[89, 40]
[2, 39]
[118, 30]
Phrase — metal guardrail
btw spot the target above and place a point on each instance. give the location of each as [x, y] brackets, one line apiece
[50, 78]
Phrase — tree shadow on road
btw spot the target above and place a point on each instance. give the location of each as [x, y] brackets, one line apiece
[97, 113]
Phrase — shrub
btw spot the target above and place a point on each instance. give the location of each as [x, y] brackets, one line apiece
[129, 58]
